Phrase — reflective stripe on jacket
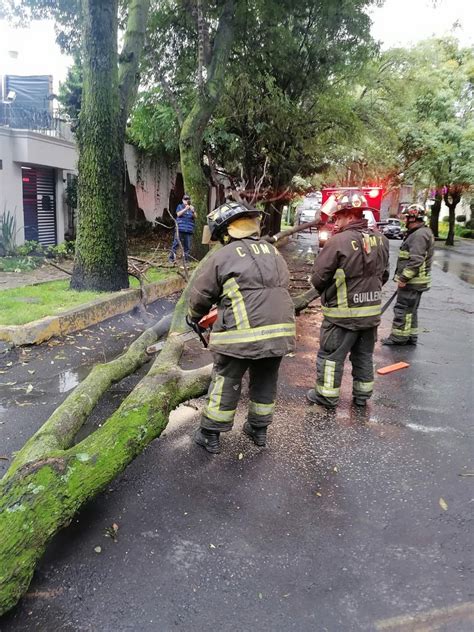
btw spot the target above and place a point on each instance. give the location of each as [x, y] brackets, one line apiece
[349, 273]
[248, 279]
[415, 259]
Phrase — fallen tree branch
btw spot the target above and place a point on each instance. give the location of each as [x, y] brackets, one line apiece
[55, 265]
[51, 479]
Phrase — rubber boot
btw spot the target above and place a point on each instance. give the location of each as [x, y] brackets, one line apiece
[318, 406]
[359, 402]
[412, 341]
[390, 342]
[258, 435]
[208, 439]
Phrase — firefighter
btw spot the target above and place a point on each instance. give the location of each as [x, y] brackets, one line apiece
[349, 273]
[255, 326]
[413, 275]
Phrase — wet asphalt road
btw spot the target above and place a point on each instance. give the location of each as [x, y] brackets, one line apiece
[337, 525]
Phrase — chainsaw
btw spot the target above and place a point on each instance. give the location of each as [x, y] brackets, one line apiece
[199, 330]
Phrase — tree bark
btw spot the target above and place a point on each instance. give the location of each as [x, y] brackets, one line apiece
[452, 197]
[101, 248]
[193, 127]
[435, 211]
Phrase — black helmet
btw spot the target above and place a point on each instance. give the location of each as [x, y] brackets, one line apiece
[220, 218]
[414, 212]
[350, 200]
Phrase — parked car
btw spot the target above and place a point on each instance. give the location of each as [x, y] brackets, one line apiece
[392, 228]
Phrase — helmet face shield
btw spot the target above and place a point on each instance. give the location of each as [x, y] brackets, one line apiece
[414, 213]
[220, 219]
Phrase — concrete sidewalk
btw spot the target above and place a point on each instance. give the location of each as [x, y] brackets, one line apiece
[338, 525]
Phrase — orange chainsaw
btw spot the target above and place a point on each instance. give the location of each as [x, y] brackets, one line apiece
[198, 329]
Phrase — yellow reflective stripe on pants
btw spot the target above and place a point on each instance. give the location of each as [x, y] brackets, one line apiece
[327, 389]
[253, 334]
[407, 273]
[406, 331]
[341, 286]
[363, 387]
[352, 312]
[232, 291]
[212, 408]
[261, 409]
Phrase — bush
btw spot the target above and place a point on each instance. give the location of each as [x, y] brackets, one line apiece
[7, 233]
[61, 251]
[461, 219]
[445, 219]
[30, 248]
[467, 234]
[470, 224]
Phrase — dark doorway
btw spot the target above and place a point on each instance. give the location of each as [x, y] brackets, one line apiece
[39, 205]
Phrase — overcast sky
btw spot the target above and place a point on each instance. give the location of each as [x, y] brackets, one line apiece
[398, 22]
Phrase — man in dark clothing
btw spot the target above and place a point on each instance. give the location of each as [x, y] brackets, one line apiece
[413, 276]
[349, 273]
[255, 327]
[185, 222]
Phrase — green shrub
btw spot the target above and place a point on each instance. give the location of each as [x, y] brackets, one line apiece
[61, 251]
[29, 248]
[466, 233]
[19, 264]
[461, 219]
[469, 224]
[7, 233]
[445, 219]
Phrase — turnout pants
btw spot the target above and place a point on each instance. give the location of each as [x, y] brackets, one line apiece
[405, 319]
[335, 343]
[224, 391]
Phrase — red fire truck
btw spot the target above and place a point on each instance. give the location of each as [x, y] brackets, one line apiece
[374, 198]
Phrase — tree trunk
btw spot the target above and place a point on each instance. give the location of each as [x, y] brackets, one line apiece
[101, 247]
[451, 199]
[194, 125]
[435, 211]
[101, 252]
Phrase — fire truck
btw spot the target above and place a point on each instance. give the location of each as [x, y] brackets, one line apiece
[374, 198]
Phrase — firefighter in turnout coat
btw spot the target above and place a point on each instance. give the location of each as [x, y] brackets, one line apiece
[248, 280]
[349, 273]
[413, 276]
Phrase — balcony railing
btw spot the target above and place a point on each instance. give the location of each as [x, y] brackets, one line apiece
[41, 121]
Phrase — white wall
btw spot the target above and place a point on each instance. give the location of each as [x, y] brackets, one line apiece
[19, 148]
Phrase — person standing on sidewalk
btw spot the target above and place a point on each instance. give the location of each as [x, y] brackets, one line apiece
[413, 275]
[248, 280]
[184, 229]
[349, 273]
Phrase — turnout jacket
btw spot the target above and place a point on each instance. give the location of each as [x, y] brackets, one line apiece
[248, 279]
[415, 259]
[349, 273]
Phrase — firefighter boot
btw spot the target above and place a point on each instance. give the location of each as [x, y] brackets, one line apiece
[318, 406]
[390, 342]
[258, 435]
[208, 439]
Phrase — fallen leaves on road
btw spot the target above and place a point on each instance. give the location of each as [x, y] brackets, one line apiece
[98, 549]
[443, 504]
[111, 532]
[29, 388]
[241, 456]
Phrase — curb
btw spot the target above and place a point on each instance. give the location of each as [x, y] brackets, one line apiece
[91, 313]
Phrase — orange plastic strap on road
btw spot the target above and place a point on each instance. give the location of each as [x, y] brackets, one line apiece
[392, 367]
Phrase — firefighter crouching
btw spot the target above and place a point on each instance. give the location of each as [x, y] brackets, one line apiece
[349, 273]
[255, 327]
[413, 275]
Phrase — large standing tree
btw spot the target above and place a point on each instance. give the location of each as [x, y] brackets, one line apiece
[109, 88]
[90, 29]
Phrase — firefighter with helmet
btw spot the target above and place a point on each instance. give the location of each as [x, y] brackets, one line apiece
[255, 326]
[413, 275]
[349, 273]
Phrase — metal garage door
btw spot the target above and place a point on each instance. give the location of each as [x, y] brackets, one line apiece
[39, 204]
